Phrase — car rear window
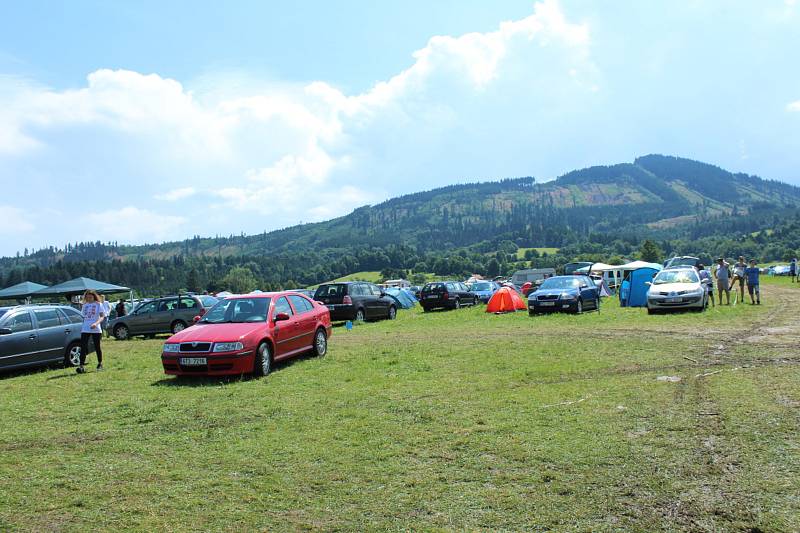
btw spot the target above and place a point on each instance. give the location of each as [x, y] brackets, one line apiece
[330, 291]
[433, 287]
[208, 301]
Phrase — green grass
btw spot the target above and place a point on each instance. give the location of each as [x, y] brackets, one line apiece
[456, 420]
[366, 275]
[548, 251]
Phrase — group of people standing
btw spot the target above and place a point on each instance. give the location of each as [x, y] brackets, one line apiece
[731, 277]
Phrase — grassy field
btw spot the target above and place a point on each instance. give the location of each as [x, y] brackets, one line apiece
[457, 420]
[548, 251]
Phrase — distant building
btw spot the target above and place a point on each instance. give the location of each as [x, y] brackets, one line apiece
[400, 283]
[532, 274]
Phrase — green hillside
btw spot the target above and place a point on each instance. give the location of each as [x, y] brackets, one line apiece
[603, 211]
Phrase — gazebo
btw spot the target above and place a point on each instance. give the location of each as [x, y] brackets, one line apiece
[78, 286]
[21, 291]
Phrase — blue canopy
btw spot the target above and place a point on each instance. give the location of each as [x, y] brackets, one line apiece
[410, 293]
[634, 289]
[21, 290]
[401, 297]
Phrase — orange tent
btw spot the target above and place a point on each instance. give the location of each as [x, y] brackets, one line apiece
[505, 300]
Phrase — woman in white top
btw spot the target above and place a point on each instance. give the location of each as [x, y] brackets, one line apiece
[93, 315]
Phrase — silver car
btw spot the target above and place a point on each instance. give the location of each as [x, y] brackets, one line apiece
[677, 288]
[34, 335]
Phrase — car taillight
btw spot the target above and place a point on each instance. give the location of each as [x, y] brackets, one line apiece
[445, 295]
[202, 311]
[347, 300]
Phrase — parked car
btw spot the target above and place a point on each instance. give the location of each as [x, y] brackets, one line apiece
[247, 334]
[573, 293]
[676, 288]
[684, 260]
[305, 292]
[34, 335]
[169, 314]
[446, 294]
[356, 300]
[484, 290]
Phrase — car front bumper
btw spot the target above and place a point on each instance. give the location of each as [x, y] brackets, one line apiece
[679, 302]
[216, 364]
[564, 306]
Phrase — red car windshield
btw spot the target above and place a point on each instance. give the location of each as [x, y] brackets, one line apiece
[238, 310]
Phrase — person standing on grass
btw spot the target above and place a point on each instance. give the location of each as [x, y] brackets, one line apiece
[752, 273]
[121, 311]
[723, 275]
[107, 312]
[93, 315]
[738, 275]
[705, 276]
[793, 270]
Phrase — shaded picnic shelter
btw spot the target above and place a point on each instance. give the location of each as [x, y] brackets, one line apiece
[21, 290]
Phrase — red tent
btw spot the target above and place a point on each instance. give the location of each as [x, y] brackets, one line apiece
[505, 300]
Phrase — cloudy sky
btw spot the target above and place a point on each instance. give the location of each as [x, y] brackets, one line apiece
[142, 122]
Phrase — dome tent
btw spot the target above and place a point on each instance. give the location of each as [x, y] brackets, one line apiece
[402, 298]
[505, 300]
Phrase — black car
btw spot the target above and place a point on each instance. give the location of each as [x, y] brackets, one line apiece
[573, 294]
[446, 294]
[35, 335]
[356, 300]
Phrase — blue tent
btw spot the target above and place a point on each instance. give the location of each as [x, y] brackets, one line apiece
[402, 299]
[410, 294]
[633, 292]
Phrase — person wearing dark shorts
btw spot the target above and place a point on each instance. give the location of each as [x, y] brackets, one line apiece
[752, 273]
[93, 314]
[738, 276]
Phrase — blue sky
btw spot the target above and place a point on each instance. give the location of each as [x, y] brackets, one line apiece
[142, 122]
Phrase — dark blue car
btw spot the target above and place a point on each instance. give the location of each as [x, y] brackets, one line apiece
[572, 294]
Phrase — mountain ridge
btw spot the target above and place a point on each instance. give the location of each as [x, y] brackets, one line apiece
[673, 200]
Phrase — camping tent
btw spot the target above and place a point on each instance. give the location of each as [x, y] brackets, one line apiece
[634, 288]
[20, 290]
[400, 296]
[527, 287]
[79, 286]
[410, 294]
[505, 300]
[639, 264]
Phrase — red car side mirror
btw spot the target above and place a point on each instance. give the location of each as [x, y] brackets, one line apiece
[280, 317]
[196, 319]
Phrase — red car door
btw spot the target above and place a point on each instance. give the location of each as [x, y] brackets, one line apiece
[306, 321]
[286, 332]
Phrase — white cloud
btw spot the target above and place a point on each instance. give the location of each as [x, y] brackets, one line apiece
[176, 194]
[131, 225]
[15, 221]
[793, 106]
[298, 152]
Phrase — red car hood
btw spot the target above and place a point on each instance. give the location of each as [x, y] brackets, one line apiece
[218, 332]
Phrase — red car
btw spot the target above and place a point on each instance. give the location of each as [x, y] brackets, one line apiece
[247, 334]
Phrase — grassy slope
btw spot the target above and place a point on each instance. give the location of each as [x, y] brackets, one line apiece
[456, 420]
[548, 251]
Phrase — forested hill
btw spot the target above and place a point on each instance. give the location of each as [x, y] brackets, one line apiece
[664, 198]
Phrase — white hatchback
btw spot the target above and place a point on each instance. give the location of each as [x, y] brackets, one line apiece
[676, 288]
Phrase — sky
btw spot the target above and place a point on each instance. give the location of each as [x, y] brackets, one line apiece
[151, 121]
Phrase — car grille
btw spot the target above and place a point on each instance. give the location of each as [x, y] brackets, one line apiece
[195, 347]
[547, 297]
